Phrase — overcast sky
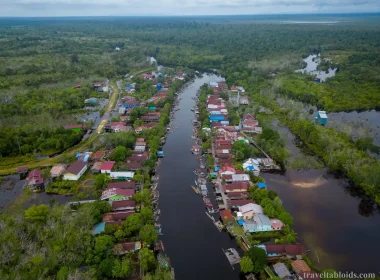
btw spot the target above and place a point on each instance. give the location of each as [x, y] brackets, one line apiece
[180, 7]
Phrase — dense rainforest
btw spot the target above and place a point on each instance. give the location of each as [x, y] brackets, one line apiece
[42, 59]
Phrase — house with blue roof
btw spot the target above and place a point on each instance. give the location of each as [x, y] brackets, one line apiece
[321, 118]
[259, 223]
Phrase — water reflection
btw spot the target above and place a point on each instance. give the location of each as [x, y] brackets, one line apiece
[312, 62]
[328, 220]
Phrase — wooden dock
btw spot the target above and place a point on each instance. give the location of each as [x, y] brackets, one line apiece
[232, 256]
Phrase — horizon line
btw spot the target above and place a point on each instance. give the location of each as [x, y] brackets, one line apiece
[197, 15]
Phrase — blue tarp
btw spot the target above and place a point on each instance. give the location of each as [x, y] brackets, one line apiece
[261, 185]
[250, 168]
[216, 169]
[152, 108]
[128, 86]
[99, 228]
[85, 159]
[240, 222]
[78, 155]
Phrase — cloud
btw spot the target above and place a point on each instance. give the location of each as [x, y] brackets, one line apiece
[179, 7]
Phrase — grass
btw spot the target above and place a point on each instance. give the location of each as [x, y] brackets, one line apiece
[9, 165]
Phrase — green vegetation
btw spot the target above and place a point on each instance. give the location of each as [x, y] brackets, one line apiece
[63, 187]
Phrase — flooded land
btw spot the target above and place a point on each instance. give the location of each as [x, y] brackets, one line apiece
[329, 214]
[312, 62]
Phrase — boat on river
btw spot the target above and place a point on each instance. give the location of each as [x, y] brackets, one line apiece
[196, 190]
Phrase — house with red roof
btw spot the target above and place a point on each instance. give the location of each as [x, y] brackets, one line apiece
[106, 167]
[249, 124]
[227, 169]
[238, 202]
[236, 187]
[151, 117]
[99, 155]
[237, 195]
[226, 217]
[276, 251]
[134, 165]
[35, 179]
[122, 185]
[122, 205]
[116, 217]
[276, 224]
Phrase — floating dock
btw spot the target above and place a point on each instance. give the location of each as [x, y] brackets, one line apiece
[232, 256]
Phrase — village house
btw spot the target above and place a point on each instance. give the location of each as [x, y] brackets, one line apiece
[75, 171]
[139, 157]
[243, 100]
[282, 271]
[237, 195]
[134, 165]
[234, 178]
[236, 203]
[300, 267]
[249, 210]
[126, 247]
[196, 149]
[35, 179]
[116, 217]
[122, 175]
[226, 217]
[57, 170]
[95, 169]
[249, 124]
[97, 85]
[130, 103]
[98, 156]
[276, 224]
[276, 251]
[122, 185]
[122, 205]
[236, 187]
[106, 167]
[151, 117]
[117, 194]
[180, 76]
[117, 127]
[259, 223]
[227, 169]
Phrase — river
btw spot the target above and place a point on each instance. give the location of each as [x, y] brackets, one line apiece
[333, 219]
[191, 240]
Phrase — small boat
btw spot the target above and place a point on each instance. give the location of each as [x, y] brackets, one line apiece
[192, 109]
[196, 183]
[196, 190]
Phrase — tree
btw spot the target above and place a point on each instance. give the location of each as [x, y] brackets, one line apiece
[133, 223]
[119, 154]
[101, 181]
[246, 264]
[148, 234]
[103, 245]
[147, 214]
[147, 259]
[143, 196]
[257, 256]
[286, 218]
[37, 213]
[106, 267]
[121, 269]
[241, 149]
